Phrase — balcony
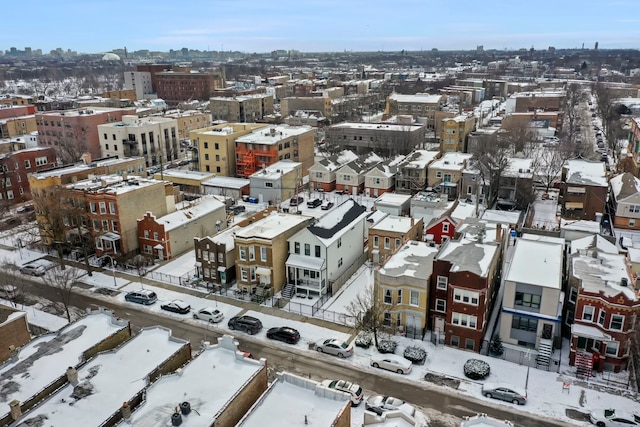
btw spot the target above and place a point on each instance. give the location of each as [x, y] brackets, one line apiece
[128, 141]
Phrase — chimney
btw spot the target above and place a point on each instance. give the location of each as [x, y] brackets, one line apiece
[16, 411]
[86, 158]
[126, 411]
[273, 131]
[499, 233]
[72, 375]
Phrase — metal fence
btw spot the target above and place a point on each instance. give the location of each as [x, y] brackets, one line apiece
[522, 357]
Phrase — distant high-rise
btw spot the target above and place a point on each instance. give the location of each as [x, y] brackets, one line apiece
[596, 46]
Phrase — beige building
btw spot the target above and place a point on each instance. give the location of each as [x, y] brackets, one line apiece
[188, 121]
[389, 234]
[216, 146]
[445, 173]
[244, 108]
[262, 251]
[418, 105]
[154, 138]
[454, 132]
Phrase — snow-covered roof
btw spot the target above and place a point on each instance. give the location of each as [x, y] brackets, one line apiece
[338, 221]
[379, 126]
[537, 263]
[502, 217]
[521, 168]
[276, 169]
[465, 255]
[205, 206]
[209, 382]
[400, 224]
[226, 182]
[291, 400]
[451, 161]
[113, 381]
[418, 97]
[412, 259]
[624, 185]
[483, 420]
[585, 172]
[580, 225]
[418, 159]
[393, 199]
[603, 272]
[463, 211]
[273, 134]
[45, 358]
[185, 174]
[271, 226]
[594, 241]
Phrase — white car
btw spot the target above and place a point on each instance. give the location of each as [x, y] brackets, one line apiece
[336, 347]
[379, 404]
[348, 387]
[391, 362]
[613, 418]
[33, 269]
[210, 314]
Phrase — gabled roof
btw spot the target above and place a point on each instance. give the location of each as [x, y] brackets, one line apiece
[440, 219]
[624, 185]
[334, 222]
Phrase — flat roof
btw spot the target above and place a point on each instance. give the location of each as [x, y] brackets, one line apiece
[226, 182]
[603, 273]
[184, 174]
[44, 359]
[393, 199]
[208, 383]
[537, 263]
[273, 134]
[413, 259]
[114, 184]
[584, 172]
[204, 206]
[418, 97]
[469, 256]
[400, 224]
[271, 226]
[113, 381]
[451, 161]
[379, 126]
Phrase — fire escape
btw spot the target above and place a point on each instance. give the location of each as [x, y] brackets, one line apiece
[250, 161]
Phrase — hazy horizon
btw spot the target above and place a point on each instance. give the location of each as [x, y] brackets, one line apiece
[328, 26]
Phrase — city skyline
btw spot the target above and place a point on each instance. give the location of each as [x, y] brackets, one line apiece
[252, 26]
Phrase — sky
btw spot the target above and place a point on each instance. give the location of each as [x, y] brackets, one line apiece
[330, 25]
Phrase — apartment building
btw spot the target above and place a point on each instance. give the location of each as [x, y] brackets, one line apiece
[411, 175]
[264, 147]
[322, 175]
[420, 105]
[170, 235]
[181, 86]
[625, 201]
[243, 109]
[385, 139]
[154, 138]
[389, 234]
[455, 131]
[17, 166]
[262, 250]
[584, 189]
[216, 146]
[402, 284]
[445, 173]
[17, 120]
[140, 82]
[74, 132]
[189, 121]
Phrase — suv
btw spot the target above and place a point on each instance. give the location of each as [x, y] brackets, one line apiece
[295, 201]
[314, 203]
[33, 269]
[247, 324]
[143, 296]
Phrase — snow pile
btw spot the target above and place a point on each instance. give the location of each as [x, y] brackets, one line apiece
[364, 340]
[415, 354]
[476, 369]
[387, 346]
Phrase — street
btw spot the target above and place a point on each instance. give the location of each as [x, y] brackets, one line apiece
[318, 367]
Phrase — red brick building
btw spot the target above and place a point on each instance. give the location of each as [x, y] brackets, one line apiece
[14, 331]
[15, 169]
[463, 287]
[179, 86]
[74, 132]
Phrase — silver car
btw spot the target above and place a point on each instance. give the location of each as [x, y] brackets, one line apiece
[335, 347]
[506, 392]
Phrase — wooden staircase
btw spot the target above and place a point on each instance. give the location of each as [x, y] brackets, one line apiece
[545, 350]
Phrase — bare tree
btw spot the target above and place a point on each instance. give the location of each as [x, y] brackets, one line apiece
[605, 106]
[520, 136]
[368, 310]
[71, 142]
[574, 94]
[9, 286]
[64, 281]
[548, 162]
[491, 158]
[48, 204]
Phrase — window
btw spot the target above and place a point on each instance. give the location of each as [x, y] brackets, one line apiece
[587, 313]
[216, 146]
[27, 164]
[340, 262]
[103, 208]
[105, 225]
[399, 298]
[469, 344]
[156, 236]
[339, 241]
[41, 161]
[601, 317]
[263, 253]
[112, 208]
[252, 253]
[455, 341]
[442, 283]
[441, 305]
[438, 174]
[317, 251]
[616, 323]
[612, 348]
[96, 225]
[387, 243]
[253, 274]
[243, 253]
[307, 249]
[93, 207]
[466, 297]
[114, 226]
[387, 296]
[634, 208]
[524, 323]
[387, 319]
[464, 320]
[376, 241]
[268, 184]
[573, 294]
[147, 249]
[220, 257]
[527, 300]
[206, 145]
[243, 273]
[296, 247]
[414, 298]
[445, 227]
[398, 243]
[318, 174]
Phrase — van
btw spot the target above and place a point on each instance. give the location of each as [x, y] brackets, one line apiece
[142, 296]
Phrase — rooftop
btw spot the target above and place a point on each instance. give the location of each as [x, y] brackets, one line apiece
[114, 184]
[204, 206]
[273, 134]
[378, 127]
[585, 172]
[401, 224]
[537, 263]
[208, 383]
[185, 174]
[465, 255]
[451, 161]
[277, 169]
[226, 182]
[271, 226]
[412, 259]
[603, 272]
[502, 217]
[418, 159]
[418, 97]
[336, 221]
[393, 199]
[624, 185]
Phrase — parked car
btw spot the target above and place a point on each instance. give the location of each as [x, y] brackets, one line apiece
[142, 296]
[391, 362]
[295, 201]
[314, 203]
[354, 390]
[284, 334]
[326, 205]
[237, 209]
[613, 418]
[210, 314]
[380, 404]
[33, 269]
[176, 306]
[247, 324]
[8, 291]
[505, 392]
[335, 347]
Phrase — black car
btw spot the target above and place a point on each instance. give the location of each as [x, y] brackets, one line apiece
[284, 334]
[295, 201]
[247, 324]
[314, 203]
[236, 209]
[176, 306]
